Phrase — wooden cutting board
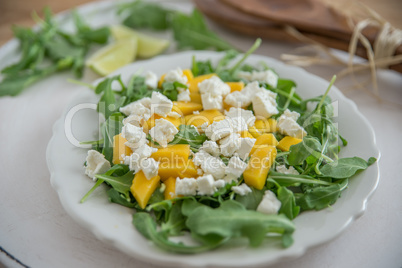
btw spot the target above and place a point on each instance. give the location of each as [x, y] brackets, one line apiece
[252, 18]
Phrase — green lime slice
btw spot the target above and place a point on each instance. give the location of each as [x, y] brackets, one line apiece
[148, 46]
[113, 56]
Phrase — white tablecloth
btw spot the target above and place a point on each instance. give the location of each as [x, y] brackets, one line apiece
[36, 230]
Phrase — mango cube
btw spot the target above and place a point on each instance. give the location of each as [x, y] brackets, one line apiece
[286, 142]
[120, 149]
[142, 188]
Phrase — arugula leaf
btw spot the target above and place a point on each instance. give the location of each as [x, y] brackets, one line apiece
[145, 15]
[251, 200]
[298, 153]
[110, 128]
[115, 197]
[320, 197]
[144, 223]
[288, 207]
[232, 220]
[345, 167]
[175, 223]
[121, 184]
[294, 180]
[190, 31]
[49, 43]
[188, 134]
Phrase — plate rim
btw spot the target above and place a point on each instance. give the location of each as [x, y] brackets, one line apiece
[294, 253]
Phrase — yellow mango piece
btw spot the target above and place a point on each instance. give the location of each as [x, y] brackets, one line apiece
[258, 166]
[151, 122]
[286, 142]
[262, 126]
[170, 190]
[189, 74]
[272, 125]
[246, 134]
[120, 149]
[195, 97]
[160, 82]
[208, 116]
[142, 188]
[177, 152]
[186, 108]
[193, 85]
[176, 169]
[235, 86]
[254, 132]
[264, 139]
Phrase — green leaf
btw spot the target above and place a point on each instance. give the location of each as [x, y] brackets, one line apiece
[232, 220]
[345, 167]
[110, 128]
[115, 197]
[145, 15]
[294, 180]
[144, 223]
[190, 31]
[288, 202]
[251, 200]
[121, 184]
[320, 197]
[188, 134]
[298, 153]
[176, 221]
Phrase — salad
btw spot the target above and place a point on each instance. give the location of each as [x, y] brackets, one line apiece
[219, 152]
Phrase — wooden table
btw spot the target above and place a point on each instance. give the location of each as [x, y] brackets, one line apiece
[19, 12]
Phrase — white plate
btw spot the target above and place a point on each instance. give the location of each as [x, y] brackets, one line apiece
[111, 223]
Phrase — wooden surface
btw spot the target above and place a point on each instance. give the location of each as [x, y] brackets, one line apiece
[19, 12]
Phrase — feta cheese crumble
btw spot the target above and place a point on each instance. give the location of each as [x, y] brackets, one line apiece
[210, 164]
[150, 167]
[236, 166]
[230, 144]
[269, 203]
[140, 108]
[160, 104]
[267, 76]
[219, 130]
[244, 97]
[151, 80]
[264, 104]
[246, 144]
[134, 135]
[206, 185]
[247, 115]
[242, 189]
[212, 91]
[163, 132]
[210, 147]
[186, 186]
[96, 164]
[287, 125]
[176, 75]
[291, 170]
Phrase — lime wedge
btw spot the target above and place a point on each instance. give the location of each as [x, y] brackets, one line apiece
[148, 46]
[113, 56]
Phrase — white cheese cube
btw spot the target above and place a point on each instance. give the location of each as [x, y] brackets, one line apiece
[214, 166]
[229, 178]
[137, 108]
[287, 125]
[163, 132]
[96, 164]
[176, 75]
[269, 203]
[211, 147]
[214, 86]
[291, 170]
[160, 104]
[186, 186]
[246, 144]
[210, 102]
[219, 183]
[134, 135]
[244, 97]
[242, 189]
[218, 130]
[264, 104]
[236, 166]
[206, 185]
[238, 124]
[230, 144]
[151, 80]
[174, 114]
[247, 115]
[267, 76]
[150, 167]
[184, 95]
[200, 157]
